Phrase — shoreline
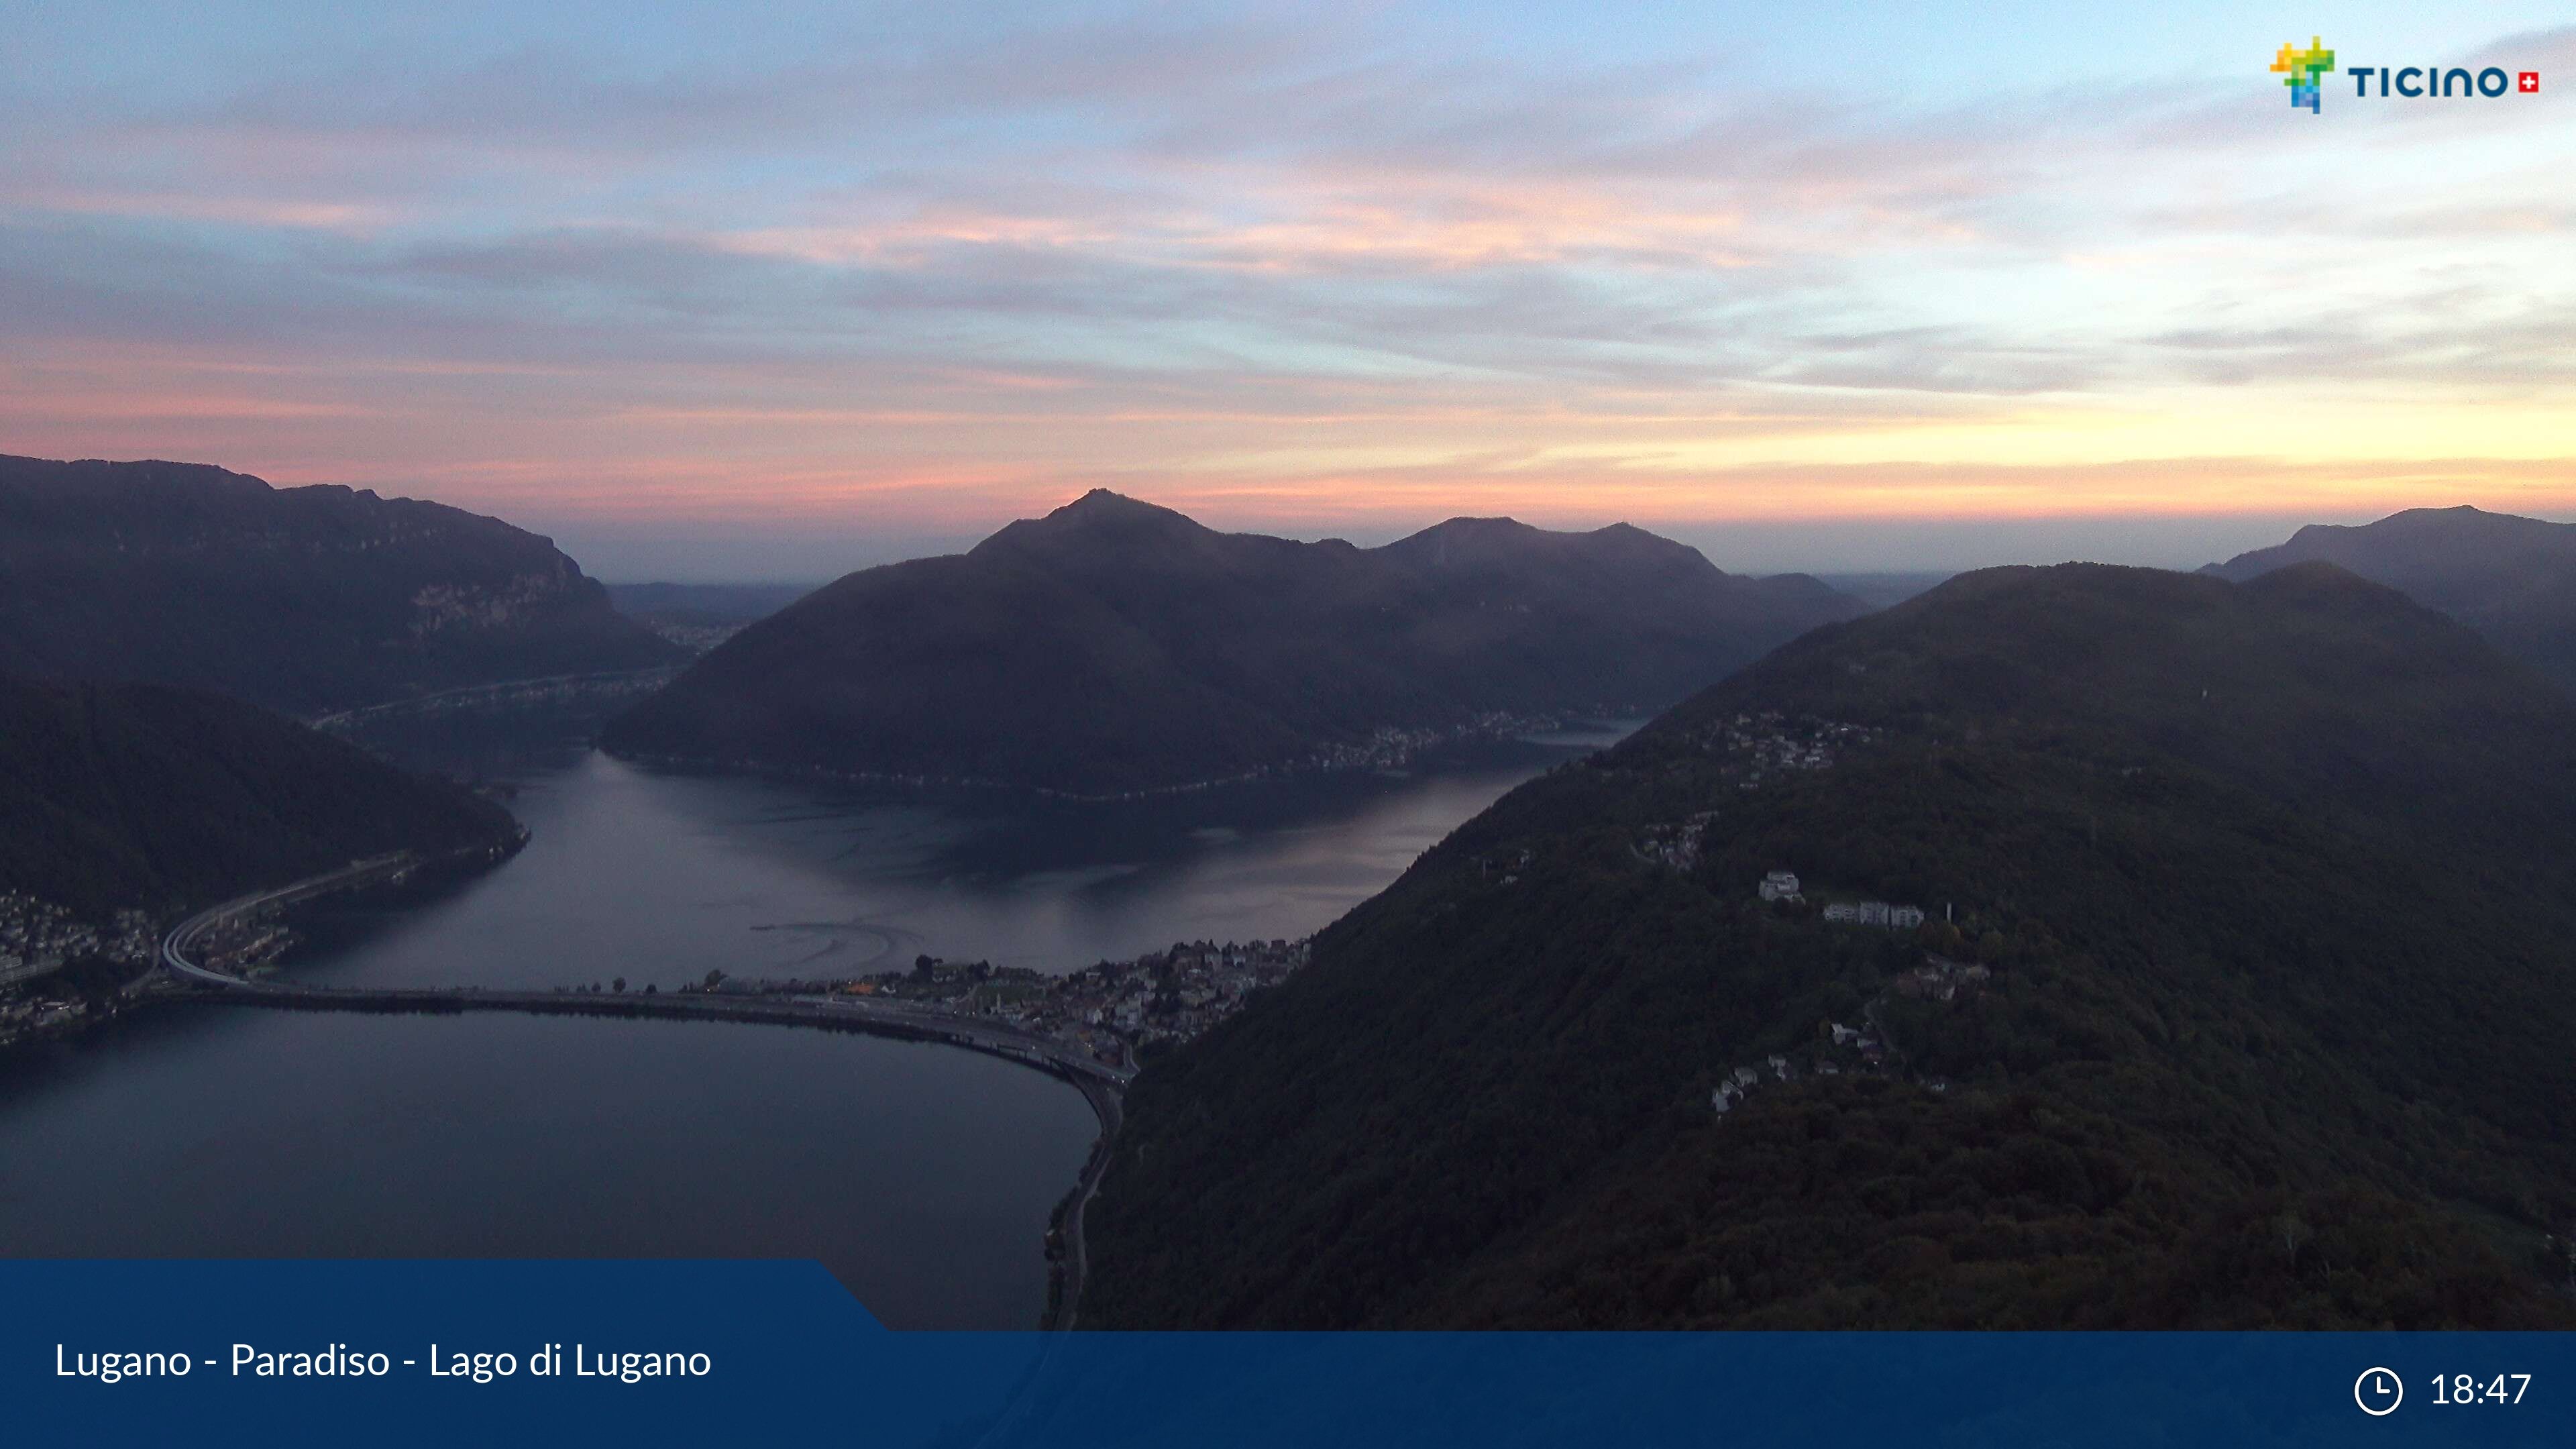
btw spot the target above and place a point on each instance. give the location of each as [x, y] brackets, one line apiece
[1490, 730]
[1102, 1087]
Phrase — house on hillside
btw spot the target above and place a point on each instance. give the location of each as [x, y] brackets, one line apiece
[1874, 913]
[1780, 885]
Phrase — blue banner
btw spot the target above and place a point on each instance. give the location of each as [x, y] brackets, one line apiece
[553, 1353]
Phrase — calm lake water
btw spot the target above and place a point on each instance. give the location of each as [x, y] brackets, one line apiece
[921, 1175]
[659, 877]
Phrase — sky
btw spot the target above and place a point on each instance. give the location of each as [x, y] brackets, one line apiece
[768, 290]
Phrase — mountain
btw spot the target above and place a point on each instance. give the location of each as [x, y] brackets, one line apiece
[1113, 645]
[300, 599]
[2511, 579]
[2241, 1001]
[143, 797]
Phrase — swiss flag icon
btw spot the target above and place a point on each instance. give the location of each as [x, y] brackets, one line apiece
[2531, 83]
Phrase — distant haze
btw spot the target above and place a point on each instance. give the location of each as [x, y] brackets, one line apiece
[753, 550]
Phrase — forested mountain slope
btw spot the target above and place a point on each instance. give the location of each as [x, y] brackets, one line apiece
[2252, 1010]
[1114, 646]
[149, 798]
[2511, 579]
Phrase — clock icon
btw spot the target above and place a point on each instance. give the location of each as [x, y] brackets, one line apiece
[2378, 1392]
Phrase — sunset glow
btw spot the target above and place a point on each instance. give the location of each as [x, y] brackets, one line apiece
[848, 274]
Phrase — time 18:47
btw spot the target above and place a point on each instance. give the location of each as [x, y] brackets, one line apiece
[2465, 1389]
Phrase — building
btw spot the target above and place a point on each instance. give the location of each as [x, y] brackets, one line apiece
[1780, 885]
[1874, 913]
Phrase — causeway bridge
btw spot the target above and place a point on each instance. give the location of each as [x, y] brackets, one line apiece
[1102, 1085]
[1028, 1049]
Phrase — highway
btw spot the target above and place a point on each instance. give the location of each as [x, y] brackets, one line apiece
[1109, 1105]
[176, 947]
[470, 695]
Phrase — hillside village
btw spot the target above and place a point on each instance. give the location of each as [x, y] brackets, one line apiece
[1757, 747]
[1760, 746]
[1677, 846]
[1841, 1048]
[1753, 748]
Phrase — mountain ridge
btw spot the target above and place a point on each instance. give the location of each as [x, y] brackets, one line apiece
[2513, 579]
[303, 600]
[1113, 645]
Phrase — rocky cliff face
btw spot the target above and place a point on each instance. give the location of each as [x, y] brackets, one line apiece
[302, 599]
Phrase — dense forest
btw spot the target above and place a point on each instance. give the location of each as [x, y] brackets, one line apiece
[1114, 646]
[303, 600]
[141, 796]
[2240, 1000]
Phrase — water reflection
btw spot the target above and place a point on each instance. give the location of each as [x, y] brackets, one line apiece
[660, 876]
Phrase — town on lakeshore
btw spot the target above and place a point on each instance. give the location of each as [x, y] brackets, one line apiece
[1116, 1011]
[38, 939]
[1113, 1012]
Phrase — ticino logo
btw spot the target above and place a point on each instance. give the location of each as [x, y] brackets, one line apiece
[2304, 70]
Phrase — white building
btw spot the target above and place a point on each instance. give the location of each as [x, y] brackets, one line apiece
[1780, 885]
[1875, 913]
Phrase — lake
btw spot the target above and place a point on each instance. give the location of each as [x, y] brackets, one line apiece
[922, 1176]
[660, 876]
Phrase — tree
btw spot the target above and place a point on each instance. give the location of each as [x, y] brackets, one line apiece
[617, 985]
[2293, 1231]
